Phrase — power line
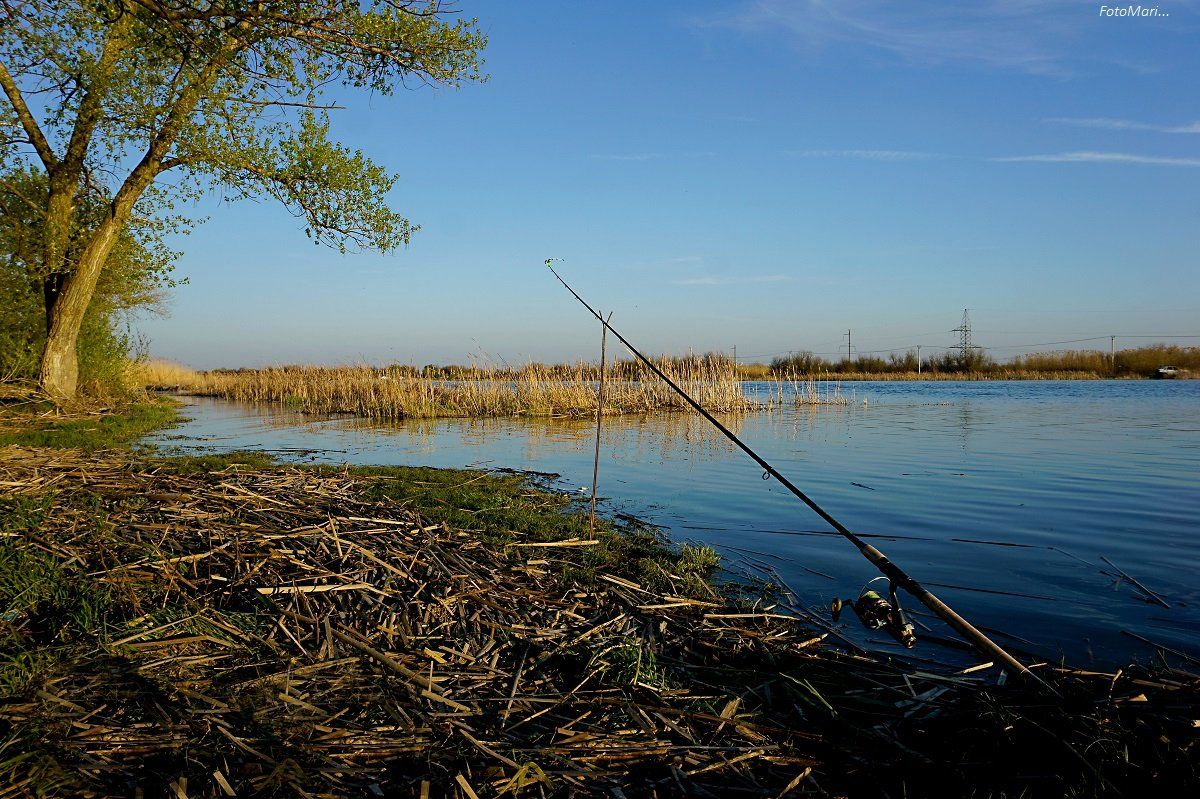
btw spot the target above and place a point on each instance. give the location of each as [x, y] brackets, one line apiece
[950, 347]
[1053, 343]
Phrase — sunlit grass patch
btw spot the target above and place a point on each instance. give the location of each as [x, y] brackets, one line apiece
[157, 373]
[33, 426]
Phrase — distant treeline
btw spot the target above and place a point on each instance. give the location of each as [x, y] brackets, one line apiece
[1139, 362]
[720, 366]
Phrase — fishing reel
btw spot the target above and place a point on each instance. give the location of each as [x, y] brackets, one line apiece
[878, 613]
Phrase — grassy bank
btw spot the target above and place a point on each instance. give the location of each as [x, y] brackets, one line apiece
[225, 625]
[42, 425]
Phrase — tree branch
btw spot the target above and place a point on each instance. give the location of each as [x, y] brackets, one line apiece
[151, 164]
[90, 106]
[287, 104]
[171, 163]
[16, 192]
[25, 117]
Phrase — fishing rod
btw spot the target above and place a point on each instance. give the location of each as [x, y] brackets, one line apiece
[898, 576]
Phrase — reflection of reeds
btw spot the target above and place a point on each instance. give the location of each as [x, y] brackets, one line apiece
[800, 390]
[533, 390]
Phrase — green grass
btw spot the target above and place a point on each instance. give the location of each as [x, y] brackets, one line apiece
[88, 433]
[48, 607]
[51, 604]
[215, 462]
[504, 509]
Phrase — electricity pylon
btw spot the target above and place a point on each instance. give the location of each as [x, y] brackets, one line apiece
[966, 348]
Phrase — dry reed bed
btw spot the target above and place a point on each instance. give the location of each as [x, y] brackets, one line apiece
[535, 390]
[304, 641]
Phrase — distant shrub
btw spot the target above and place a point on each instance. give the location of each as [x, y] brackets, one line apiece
[799, 363]
[1140, 361]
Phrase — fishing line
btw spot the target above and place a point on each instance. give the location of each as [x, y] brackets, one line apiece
[898, 576]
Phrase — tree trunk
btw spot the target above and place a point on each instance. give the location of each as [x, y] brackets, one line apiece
[51, 287]
[60, 215]
[59, 374]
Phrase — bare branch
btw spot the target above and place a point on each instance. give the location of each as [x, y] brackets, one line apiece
[37, 209]
[287, 104]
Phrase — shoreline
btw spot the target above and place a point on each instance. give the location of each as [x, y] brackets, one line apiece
[396, 393]
[954, 377]
[615, 662]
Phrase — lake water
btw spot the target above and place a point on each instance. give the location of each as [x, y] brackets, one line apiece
[1001, 497]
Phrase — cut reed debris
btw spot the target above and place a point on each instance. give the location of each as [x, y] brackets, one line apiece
[142, 655]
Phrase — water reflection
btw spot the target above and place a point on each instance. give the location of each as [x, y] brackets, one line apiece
[664, 437]
[965, 419]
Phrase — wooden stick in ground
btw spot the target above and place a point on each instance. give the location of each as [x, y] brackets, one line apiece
[599, 416]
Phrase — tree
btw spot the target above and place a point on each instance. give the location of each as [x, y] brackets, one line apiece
[150, 101]
[802, 362]
[135, 278]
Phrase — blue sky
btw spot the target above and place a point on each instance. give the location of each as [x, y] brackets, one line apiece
[759, 174]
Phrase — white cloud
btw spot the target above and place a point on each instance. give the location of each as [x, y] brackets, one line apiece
[714, 280]
[1109, 123]
[1078, 157]
[650, 156]
[1102, 158]
[627, 156]
[1033, 36]
[869, 155]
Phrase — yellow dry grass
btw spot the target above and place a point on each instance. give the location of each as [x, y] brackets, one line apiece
[157, 373]
[533, 390]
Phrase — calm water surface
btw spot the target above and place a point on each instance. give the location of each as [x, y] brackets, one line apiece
[1002, 497]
